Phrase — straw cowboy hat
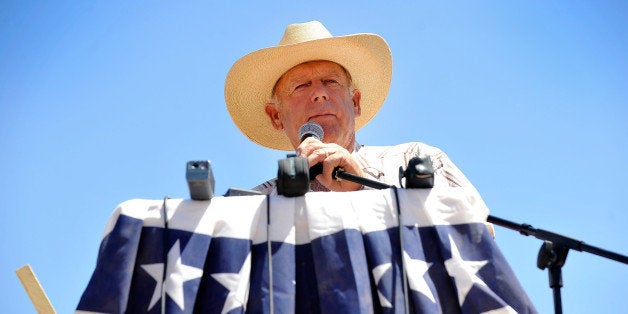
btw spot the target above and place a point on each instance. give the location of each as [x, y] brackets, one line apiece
[250, 81]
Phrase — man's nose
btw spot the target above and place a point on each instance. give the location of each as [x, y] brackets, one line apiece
[319, 93]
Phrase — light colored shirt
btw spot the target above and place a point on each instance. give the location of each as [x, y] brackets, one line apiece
[381, 163]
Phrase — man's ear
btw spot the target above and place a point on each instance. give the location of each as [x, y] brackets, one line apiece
[357, 110]
[273, 114]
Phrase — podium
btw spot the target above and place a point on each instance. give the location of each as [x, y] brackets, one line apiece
[328, 252]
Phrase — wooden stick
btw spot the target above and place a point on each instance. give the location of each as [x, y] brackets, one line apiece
[34, 290]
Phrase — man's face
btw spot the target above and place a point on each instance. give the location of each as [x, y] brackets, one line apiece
[317, 91]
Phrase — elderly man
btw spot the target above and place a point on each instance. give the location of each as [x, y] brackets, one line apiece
[338, 82]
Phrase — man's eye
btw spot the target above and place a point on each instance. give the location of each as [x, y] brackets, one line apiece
[302, 85]
[331, 81]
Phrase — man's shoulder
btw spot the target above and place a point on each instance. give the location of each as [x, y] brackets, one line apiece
[409, 148]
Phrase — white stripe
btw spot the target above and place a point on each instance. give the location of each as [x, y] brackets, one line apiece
[135, 208]
[303, 219]
[441, 206]
[283, 214]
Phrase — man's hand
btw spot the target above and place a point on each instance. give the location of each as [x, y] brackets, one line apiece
[331, 156]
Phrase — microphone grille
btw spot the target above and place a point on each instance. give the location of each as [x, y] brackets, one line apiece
[311, 129]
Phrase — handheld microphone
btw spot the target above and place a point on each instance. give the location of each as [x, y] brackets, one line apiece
[311, 129]
[294, 173]
[315, 130]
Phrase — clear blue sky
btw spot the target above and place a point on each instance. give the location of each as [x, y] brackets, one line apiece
[105, 101]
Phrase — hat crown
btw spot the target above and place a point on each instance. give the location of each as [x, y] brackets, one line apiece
[302, 32]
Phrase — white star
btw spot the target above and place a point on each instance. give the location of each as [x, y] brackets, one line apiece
[156, 271]
[238, 289]
[176, 275]
[464, 272]
[378, 272]
[416, 269]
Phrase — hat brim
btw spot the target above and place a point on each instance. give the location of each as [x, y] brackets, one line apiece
[250, 81]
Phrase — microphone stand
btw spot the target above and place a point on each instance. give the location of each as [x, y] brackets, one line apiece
[553, 252]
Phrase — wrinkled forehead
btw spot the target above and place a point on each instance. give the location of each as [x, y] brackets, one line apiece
[300, 65]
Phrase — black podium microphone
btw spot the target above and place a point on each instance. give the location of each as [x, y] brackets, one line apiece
[200, 178]
[315, 130]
